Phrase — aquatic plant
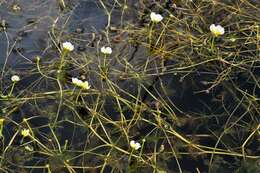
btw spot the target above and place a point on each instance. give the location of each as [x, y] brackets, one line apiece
[25, 132]
[156, 86]
[106, 50]
[15, 78]
[67, 46]
[217, 30]
[135, 145]
[156, 17]
[84, 85]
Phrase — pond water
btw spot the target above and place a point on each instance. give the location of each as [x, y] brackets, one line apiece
[29, 23]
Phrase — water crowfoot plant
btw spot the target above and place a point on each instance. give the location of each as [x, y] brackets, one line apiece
[14, 79]
[217, 30]
[135, 145]
[63, 118]
[106, 50]
[104, 67]
[66, 48]
[156, 17]
[84, 85]
[25, 132]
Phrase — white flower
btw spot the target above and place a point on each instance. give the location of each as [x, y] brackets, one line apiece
[76, 81]
[156, 17]
[68, 46]
[25, 132]
[216, 30]
[135, 145]
[15, 78]
[106, 50]
[84, 85]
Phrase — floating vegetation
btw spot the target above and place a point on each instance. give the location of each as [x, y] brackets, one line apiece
[125, 86]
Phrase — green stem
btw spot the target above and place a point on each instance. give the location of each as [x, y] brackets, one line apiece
[104, 67]
[104, 62]
[11, 91]
[150, 37]
[212, 44]
[62, 59]
[129, 159]
[142, 147]
[1, 129]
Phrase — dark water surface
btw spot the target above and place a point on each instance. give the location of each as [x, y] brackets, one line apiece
[29, 24]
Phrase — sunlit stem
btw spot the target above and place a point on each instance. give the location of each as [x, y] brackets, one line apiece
[78, 95]
[104, 67]
[212, 44]
[1, 127]
[11, 91]
[59, 76]
[47, 150]
[31, 135]
[62, 60]
[142, 147]
[150, 36]
[105, 61]
[65, 145]
[48, 168]
[39, 68]
[130, 156]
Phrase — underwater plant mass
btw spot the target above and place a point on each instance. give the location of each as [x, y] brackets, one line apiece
[130, 86]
